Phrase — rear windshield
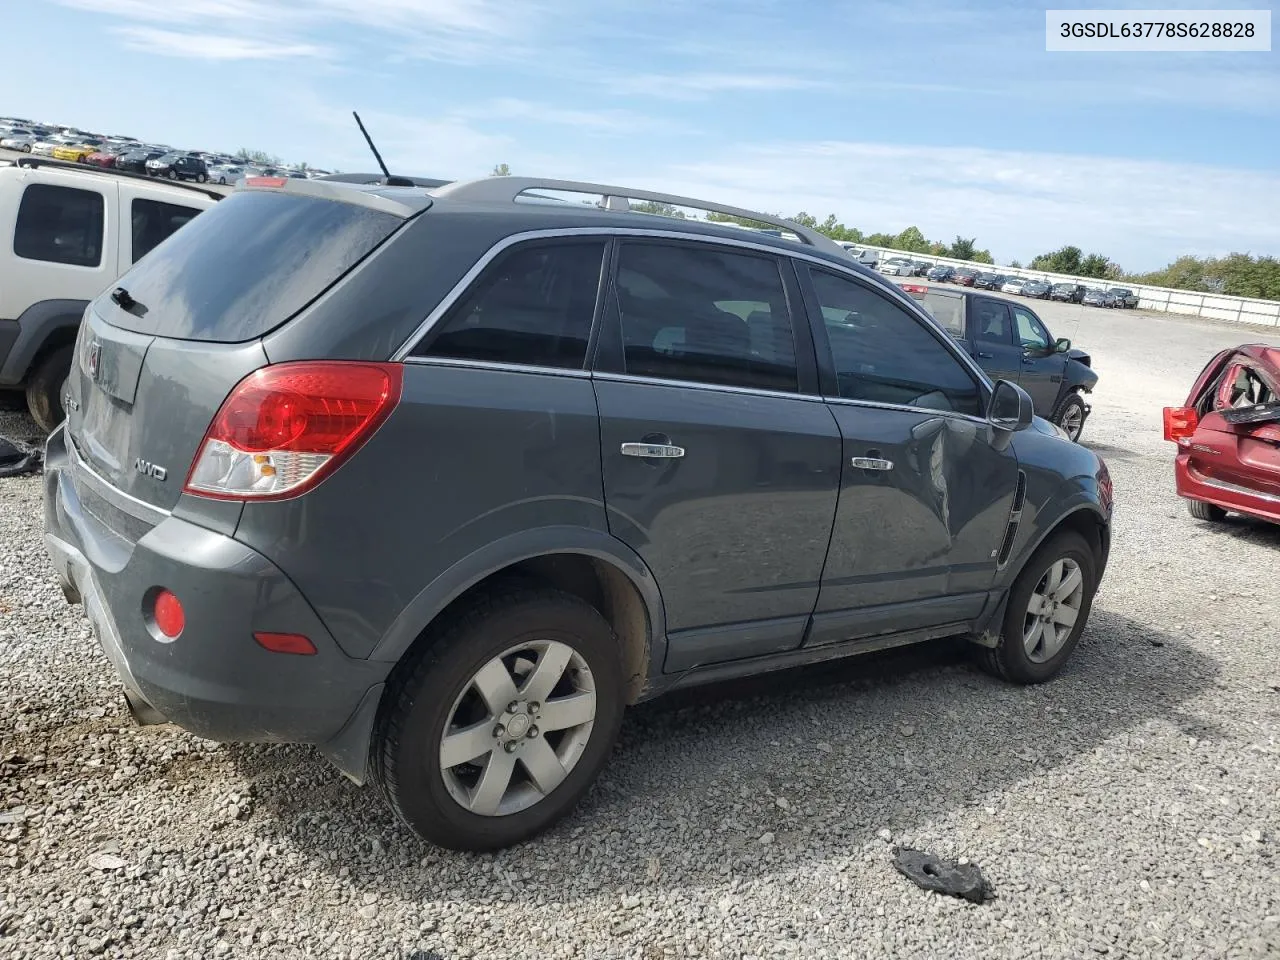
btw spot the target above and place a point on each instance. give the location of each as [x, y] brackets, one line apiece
[947, 310]
[246, 265]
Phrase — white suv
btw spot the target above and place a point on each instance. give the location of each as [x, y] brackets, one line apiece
[66, 233]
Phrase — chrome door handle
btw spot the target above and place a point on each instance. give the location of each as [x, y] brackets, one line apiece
[647, 450]
[872, 463]
[985, 356]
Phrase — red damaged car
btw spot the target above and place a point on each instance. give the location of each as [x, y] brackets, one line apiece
[1228, 436]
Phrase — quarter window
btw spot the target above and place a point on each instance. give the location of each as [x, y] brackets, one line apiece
[705, 315]
[883, 354]
[60, 225]
[533, 307]
[153, 221]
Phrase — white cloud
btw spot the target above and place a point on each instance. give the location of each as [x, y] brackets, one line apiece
[695, 85]
[210, 46]
[1140, 213]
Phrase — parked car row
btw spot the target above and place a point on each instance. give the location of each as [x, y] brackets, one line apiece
[134, 156]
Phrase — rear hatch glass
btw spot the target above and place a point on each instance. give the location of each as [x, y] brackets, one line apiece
[247, 265]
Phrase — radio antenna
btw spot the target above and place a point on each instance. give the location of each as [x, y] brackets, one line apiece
[387, 178]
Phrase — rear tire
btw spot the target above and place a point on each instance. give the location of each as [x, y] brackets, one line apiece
[1025, 657]
[201, 178]
[491, 646]
[1206, 511]
[44, 388]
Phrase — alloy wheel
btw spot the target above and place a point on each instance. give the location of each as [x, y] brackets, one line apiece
[518, 728]
[1053, 610]
[1073, 421]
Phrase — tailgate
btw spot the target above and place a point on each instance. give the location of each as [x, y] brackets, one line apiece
[140, 404]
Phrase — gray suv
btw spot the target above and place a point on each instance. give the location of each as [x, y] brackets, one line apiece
[442, 479]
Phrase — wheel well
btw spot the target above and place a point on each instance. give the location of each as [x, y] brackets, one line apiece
[1094, 531]
[595, 581]
[59, 338]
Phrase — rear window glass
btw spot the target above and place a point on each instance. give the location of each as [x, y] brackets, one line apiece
[60, 225]
[154, 221]
[948, 311]
[246, 265]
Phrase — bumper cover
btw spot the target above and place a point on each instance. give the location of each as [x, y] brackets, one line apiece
[214, 679]
[1193, 485]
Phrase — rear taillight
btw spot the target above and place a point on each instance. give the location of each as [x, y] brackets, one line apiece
[284, 427]
[1180, 423]
[915, 289]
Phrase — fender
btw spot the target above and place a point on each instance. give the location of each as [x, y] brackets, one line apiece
[35, 325]
[540, 541]
[1077, 375]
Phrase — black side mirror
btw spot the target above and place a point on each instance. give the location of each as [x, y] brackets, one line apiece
[1062, 345]
[1011, 407]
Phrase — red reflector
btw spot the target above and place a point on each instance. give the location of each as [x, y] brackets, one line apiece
[265, 181]
[1180, 423]
[167, 612]
[285, 643]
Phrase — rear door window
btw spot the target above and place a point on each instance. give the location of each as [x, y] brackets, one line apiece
[533, 307]
[60, 225]
[248, 264]
[703, 314]
[948, 310]
[154, 221]
[991, 322]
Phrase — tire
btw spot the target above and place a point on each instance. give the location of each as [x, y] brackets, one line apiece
[222, 181]
[172, 174]
[44, 388]
[437, 690]
[1010, 660]
[201, 178]
[1071, 411]
[1206, 511]
[26, 148]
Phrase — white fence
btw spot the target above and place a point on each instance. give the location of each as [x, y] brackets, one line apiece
[1211, 306]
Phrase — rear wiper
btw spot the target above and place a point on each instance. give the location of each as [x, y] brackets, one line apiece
[125, 301]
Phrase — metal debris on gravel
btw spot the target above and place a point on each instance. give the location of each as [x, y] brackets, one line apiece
[1130, 808]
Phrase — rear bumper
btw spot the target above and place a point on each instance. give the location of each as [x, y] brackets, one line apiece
[1194, 485]
[214, 679]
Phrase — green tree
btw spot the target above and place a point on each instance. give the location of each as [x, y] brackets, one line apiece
[501, 170]
[911, 240]
[658, 209]
[982, 256]
[963, 249]
[1065, 260]
[259, 157]
[1015, 264]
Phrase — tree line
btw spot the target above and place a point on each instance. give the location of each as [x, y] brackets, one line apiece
[1237, 274]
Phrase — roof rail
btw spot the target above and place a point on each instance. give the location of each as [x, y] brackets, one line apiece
[34, 163]
[500, 189]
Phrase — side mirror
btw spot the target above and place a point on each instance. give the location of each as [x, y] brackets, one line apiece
[1062, 345]
[1011, 408]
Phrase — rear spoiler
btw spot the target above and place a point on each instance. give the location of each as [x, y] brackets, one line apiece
[403, 202]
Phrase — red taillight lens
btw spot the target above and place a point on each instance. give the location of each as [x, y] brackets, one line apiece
[265, 181]
[285, 426]
[914, 288]
[286, 643]
[1180, 423]
[166, 611]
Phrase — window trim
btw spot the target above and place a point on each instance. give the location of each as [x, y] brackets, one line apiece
[105, 227]
[479, 277]
[826, 356]
[612, 362]
[797, 258]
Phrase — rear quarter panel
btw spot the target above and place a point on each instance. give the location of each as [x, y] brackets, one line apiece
[469, 457]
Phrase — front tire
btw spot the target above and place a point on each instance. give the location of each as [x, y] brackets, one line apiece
[498, 728]
[172, 174]
[1206, 511]
[201, 178]
[44, 388]
[1047, 610]
[1070, 416]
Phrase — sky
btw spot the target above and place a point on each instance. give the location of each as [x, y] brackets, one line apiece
[948, 116]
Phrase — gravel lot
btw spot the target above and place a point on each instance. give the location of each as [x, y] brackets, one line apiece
[1130, 808]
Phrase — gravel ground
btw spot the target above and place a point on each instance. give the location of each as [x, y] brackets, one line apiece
[1130, 808]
